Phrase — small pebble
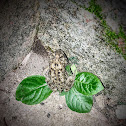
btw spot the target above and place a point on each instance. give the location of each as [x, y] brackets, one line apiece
[48, 115]
[60, 106]
[14, 117]
[42, 103]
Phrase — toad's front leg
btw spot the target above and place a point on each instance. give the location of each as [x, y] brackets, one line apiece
[70, 81]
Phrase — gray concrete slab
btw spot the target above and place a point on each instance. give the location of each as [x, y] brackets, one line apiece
[64, 25]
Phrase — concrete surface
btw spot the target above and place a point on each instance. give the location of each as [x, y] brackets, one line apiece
[17, 26]
[121, 111]
[62, 24]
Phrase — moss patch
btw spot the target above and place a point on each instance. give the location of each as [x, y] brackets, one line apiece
[110, 36]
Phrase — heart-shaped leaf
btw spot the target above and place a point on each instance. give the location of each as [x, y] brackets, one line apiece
[78, 102]
[87, 83]
[33, 90]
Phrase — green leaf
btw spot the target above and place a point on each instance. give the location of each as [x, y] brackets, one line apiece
[78, 102]
[68, 69]
[33, 90]
[71, 69]
[74, 69]
[87, 83]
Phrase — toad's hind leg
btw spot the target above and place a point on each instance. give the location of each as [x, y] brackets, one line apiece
[51, 85]
[49, 82]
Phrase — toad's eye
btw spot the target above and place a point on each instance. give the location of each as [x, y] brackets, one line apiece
[58, 72]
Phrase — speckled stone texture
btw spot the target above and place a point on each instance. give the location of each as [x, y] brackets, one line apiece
[64, 25]
[17, 25]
